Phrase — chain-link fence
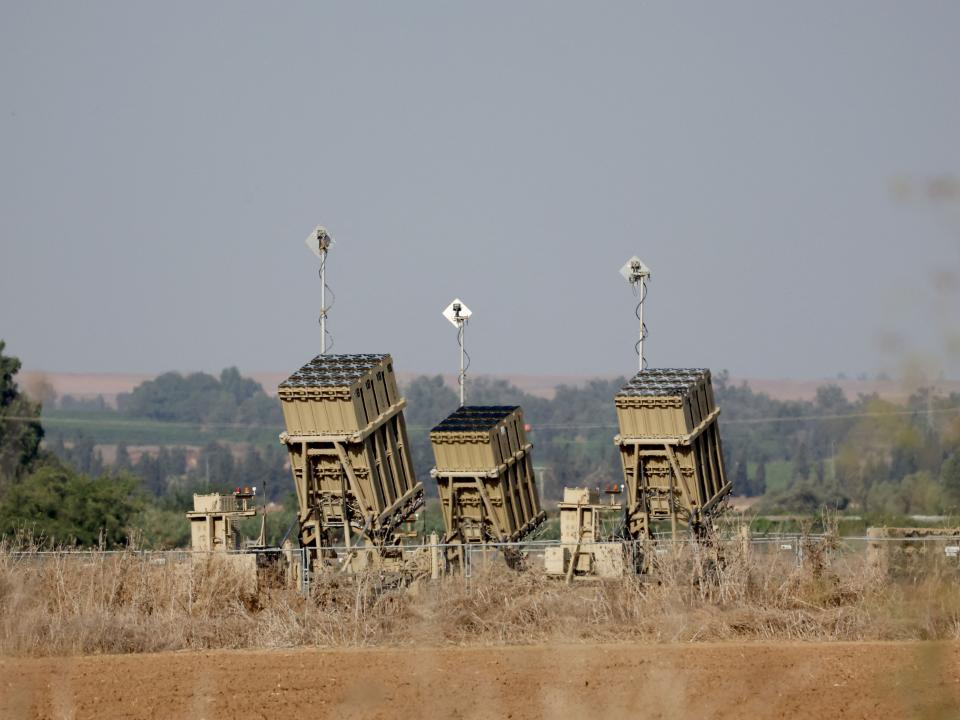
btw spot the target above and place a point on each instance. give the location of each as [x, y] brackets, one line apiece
[909, 558]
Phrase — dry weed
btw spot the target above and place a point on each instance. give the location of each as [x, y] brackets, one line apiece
[70, 603]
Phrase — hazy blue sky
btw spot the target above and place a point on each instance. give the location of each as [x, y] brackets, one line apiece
[161, 163]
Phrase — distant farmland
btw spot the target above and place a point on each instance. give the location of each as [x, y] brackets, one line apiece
[92, 385]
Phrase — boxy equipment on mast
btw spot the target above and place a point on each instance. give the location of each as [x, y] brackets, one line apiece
[669, 440]
[483, 469]
[347, 441]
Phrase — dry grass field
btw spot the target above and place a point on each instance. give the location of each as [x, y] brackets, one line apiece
[148, 636]
[76, 604]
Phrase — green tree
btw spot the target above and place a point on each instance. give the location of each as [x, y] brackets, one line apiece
[950, 480]
[741, 483]
[202, 398]
[66, 508]
[429, 400]
[162, 528]
[123, 457]
[884, 499]
[216, 465]
[807, 497]
[20, 429]
[151, 474]
[923, 493]
[84, 456]
[760, 480]
[801, 462]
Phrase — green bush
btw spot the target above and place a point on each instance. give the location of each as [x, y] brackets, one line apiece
[66, 508]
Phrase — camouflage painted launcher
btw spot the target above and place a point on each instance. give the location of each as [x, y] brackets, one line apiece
[485, 475]
[348, 448]
[670, 448]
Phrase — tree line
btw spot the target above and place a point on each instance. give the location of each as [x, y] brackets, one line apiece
[866, 454]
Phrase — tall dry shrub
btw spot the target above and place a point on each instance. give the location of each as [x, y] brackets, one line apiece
[76, 603]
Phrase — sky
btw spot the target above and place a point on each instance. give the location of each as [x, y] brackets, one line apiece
[787, 170]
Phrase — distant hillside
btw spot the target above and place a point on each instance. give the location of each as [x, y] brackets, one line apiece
[91, 385]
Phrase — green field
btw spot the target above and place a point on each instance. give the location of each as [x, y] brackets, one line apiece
[110, 428]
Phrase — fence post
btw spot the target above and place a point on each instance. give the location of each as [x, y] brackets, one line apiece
[745, 540]
[304, 572]
[876, 549]
[434, 556]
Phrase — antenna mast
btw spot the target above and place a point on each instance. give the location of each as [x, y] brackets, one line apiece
[319, 241]
[637, 273]
[459, 314]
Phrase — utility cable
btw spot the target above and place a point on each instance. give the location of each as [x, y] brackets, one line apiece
[640, 291]
[462, 378]
[324, 311]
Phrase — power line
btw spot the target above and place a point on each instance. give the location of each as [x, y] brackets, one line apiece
[760, 420]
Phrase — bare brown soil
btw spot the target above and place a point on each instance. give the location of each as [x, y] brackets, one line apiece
[756, 681]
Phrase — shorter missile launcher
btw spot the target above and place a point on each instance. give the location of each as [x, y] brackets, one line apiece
[485, 475]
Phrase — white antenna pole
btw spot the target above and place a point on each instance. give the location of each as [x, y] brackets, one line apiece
[637, 274]
[643, 331]
[458, 314]
[323, 301]
[463, 372]
[319, 242]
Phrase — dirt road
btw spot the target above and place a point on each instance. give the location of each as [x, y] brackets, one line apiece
[755, 681]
